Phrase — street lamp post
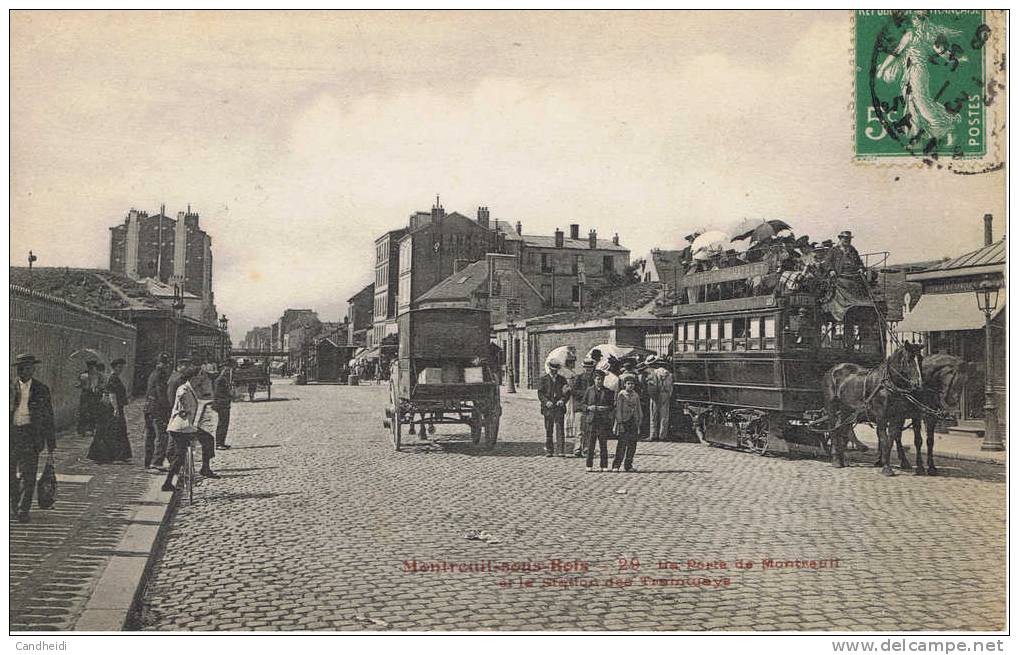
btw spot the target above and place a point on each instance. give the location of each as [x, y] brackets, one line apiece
[222, 337]
[987, 301]
[178, 310]
[511, 386]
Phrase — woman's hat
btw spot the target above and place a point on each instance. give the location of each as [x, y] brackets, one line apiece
[588, 363]
[120, 361]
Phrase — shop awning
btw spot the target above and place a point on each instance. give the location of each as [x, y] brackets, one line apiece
[947, 312]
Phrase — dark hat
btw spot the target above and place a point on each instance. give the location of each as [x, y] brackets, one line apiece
[164, 358]
[846, 233]
[623, 379]
[600, 373]
[91, 362]
[26, 358]
[588, 363]
[120, 361]
[553, 364]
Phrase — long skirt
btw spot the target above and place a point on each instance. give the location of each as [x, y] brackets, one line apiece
[102, 450]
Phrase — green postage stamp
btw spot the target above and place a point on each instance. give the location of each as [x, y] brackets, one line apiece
[925, 85]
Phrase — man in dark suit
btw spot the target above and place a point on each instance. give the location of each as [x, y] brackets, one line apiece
[157, 413]
[222, 397]
[552, 396]
[843, 260]
[31, 430]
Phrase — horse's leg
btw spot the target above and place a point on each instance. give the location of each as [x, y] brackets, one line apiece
[931, 421]
[885, 446]
[896, 434]
[918, 443]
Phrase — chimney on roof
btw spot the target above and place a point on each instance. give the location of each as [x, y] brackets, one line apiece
[592, 239]
[615, 239]
[558, 238]
[988, 234]
[438, 213]
[520, 228]
[483, 216]
[574, 231]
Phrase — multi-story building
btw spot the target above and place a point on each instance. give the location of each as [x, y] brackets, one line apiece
[360, 315]
[387, 278]
[568, 270]
[170, 251]
[258, 338]
[431, 251]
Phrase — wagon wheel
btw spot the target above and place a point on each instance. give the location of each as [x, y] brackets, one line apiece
[476, 418]
[758, 438]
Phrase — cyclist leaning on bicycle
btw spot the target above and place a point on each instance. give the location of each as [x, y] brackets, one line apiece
[183, 425]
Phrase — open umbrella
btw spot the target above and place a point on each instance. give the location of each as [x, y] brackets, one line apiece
[79, 357]
[765, 230]
[711, 241]
[558, 355]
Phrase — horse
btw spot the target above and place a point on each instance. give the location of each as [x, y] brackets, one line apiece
[852, 392]
[944, 377]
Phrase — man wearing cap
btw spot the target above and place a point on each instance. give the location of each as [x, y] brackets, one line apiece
[843, 260]
[581, 383]
[31, 430]
[222, 397]
[659, 392]
[598, 405]
[552, 394]
[157, 413]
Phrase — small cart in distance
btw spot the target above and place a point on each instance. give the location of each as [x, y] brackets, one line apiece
[442, 374]
[251, 376]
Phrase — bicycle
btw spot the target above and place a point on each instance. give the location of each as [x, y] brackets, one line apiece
[186, 475]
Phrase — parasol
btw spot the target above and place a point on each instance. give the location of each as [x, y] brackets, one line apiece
[79, 357]
[765, 230]
[559, 355]
[711, 242]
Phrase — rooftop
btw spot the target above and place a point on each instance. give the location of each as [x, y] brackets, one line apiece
[97, 289]
[459, 285]
[991, 255]
[541, 241]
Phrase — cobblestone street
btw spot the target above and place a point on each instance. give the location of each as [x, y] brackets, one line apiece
[317, 522]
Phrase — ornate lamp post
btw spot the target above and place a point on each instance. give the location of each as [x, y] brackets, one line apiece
[987, 301]
[178, 311]
[223, 337]
[511, 386]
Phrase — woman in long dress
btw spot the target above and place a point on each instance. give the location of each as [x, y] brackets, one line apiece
[119, 443]
[909, 65]
[101, 450]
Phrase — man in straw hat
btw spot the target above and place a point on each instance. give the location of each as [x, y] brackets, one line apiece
[553, 396]
[31, 430]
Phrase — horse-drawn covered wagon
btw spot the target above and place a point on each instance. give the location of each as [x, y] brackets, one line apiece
[442, 374]
[252, 375]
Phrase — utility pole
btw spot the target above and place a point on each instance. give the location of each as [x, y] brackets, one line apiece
[31, 259]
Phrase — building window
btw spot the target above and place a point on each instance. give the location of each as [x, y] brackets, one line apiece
[576, 265]
[546, 267]
[606, 263]
[576, 293]
[546, 291]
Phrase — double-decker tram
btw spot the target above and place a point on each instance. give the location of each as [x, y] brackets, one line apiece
[752, 341]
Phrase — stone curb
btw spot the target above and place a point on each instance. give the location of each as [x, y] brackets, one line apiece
[121, 583]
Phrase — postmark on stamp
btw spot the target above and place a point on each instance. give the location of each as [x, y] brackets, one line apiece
[924, 86]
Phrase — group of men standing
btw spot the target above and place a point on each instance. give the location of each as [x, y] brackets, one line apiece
[160, 396]
[580, 406]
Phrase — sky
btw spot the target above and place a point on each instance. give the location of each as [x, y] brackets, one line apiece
[300, 137]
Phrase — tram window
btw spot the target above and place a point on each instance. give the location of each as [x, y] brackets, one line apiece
[707, 336]
[725, 334]
[685, 332]
[740, 328]
[716, 336]
[769, 332]
[831, 335]
[754, 342]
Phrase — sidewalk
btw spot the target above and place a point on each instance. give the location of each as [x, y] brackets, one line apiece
[77, 566]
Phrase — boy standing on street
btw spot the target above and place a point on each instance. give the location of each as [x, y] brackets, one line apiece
[628, 416]
[598, 405]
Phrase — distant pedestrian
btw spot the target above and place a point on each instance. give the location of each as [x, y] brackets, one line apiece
[222, 397]
[88, 398]
[101, 450]
[659, 392]
[581, 420]
[569, 373]
[552, 395]
[628, 416]
[157, 413]
[598, 405]
[31, 430]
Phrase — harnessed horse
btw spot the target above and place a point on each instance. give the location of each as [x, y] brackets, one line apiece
[852, 392]
[944, 377]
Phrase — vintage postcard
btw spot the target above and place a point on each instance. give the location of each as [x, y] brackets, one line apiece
[509, 322]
